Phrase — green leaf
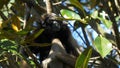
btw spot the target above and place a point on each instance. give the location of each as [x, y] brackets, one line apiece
[38, 33]
[78, 5]
[117, 18]
[102, 45]
[94, 15]
[69, 14]
[8, 44]
[106, 22]
[102, 18]
[23, 32]
[82, 60]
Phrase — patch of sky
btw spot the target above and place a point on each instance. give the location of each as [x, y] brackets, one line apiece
[93, 33]
[87, 10]
[119, 66]
[83, 1]
[105, 28]
[119, 25]
[119, 28]
[81, 40]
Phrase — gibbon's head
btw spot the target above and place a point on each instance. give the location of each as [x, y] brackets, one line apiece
[51, 23]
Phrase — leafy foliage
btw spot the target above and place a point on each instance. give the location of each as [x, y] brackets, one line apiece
[82, 60]
[102, 45]
[78, 5]
[69, 14]
[102, 18]
[91, 18]
[8, 46]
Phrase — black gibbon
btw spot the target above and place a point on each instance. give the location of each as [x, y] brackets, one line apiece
[54, 29]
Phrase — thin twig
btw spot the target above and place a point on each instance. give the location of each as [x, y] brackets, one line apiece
[26, 15]
[58, 3]
[85, 36]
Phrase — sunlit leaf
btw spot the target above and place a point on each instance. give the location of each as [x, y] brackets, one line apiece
[82, 60]
[15, 23]
[69, 14]
[0, 24]
[102, 45]
[8, 45]
[94, 14]
[78, 5]
[117, 18]
[106, 22]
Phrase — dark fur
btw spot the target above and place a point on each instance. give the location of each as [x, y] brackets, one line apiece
[53, 29]
[47, 36]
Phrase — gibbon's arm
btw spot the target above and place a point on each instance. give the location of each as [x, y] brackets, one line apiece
[56, 48]
[58, 56]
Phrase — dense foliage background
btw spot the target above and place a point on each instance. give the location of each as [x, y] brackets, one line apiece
[96, 23]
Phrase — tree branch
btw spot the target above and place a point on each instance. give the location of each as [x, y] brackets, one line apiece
[3, 16]
[49, 6]
[85, 36]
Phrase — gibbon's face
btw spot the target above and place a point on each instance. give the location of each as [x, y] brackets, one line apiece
[51, 24]
[56, 27]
